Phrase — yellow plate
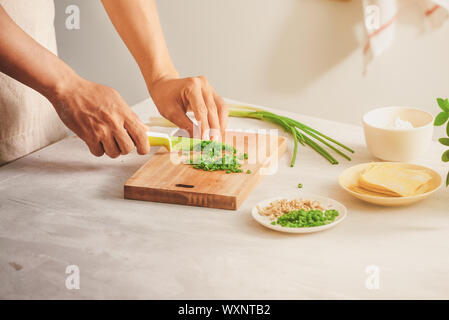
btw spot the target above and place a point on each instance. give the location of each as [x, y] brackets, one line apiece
[350, 176]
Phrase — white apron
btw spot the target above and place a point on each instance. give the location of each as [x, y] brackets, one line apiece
[28, 121]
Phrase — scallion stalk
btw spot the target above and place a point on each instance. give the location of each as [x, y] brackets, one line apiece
[309, 136]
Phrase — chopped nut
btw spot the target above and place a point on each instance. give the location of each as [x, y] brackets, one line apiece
[279, 207]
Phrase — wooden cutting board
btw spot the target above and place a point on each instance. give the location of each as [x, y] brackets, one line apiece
[161, 179]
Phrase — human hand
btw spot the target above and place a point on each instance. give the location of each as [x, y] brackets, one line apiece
[101, 118]
[174, 97]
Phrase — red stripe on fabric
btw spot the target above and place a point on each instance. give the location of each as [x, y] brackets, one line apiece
[375, 33]
[432, 10]
[366, 48]
[382, 27]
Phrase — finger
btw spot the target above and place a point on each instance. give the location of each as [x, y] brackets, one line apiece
[196, 101]
[136, 130]
[124, 141]
[223, 112]
[212, 115]
[95, 148]
[138, 133]
[182, 121]
[110, 147]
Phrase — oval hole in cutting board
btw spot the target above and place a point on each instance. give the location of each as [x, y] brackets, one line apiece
[184, 185]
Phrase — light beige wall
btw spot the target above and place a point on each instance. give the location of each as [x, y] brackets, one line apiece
[96, 51]
[301, 55]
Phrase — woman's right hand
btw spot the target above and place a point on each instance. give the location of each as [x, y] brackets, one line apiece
[101, 118]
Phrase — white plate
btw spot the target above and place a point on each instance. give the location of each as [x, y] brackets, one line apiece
[326, 203]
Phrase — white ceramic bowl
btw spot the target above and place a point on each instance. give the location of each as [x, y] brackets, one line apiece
[397, 144]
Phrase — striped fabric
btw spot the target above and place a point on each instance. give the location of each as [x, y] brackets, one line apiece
[380, 21]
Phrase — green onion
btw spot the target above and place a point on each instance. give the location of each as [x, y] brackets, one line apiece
[216, 156]
[306, 219]
[301, 133]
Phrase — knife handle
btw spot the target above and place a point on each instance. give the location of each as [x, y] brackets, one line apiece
[159, 139]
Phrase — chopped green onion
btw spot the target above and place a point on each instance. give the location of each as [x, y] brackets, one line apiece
[306, 219]
[215, 156]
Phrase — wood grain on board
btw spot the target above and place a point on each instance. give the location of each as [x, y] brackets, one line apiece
[166, 178]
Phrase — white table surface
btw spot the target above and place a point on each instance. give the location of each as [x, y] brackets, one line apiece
[61, 206]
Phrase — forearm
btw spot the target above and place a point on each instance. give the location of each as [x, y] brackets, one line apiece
[25, 60]
[96, 113]
[138, 24]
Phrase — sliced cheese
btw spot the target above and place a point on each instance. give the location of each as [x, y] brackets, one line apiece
[393, 180]
[358, 189]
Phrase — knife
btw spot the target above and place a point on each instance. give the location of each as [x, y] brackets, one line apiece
[171, 143]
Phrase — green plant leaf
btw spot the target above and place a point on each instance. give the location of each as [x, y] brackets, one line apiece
[445, 156]
[441, 118]
[444, 104]
[444, 141]
[447, 180]
[447, 129]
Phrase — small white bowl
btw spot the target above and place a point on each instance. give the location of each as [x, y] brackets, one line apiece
[402, 145]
